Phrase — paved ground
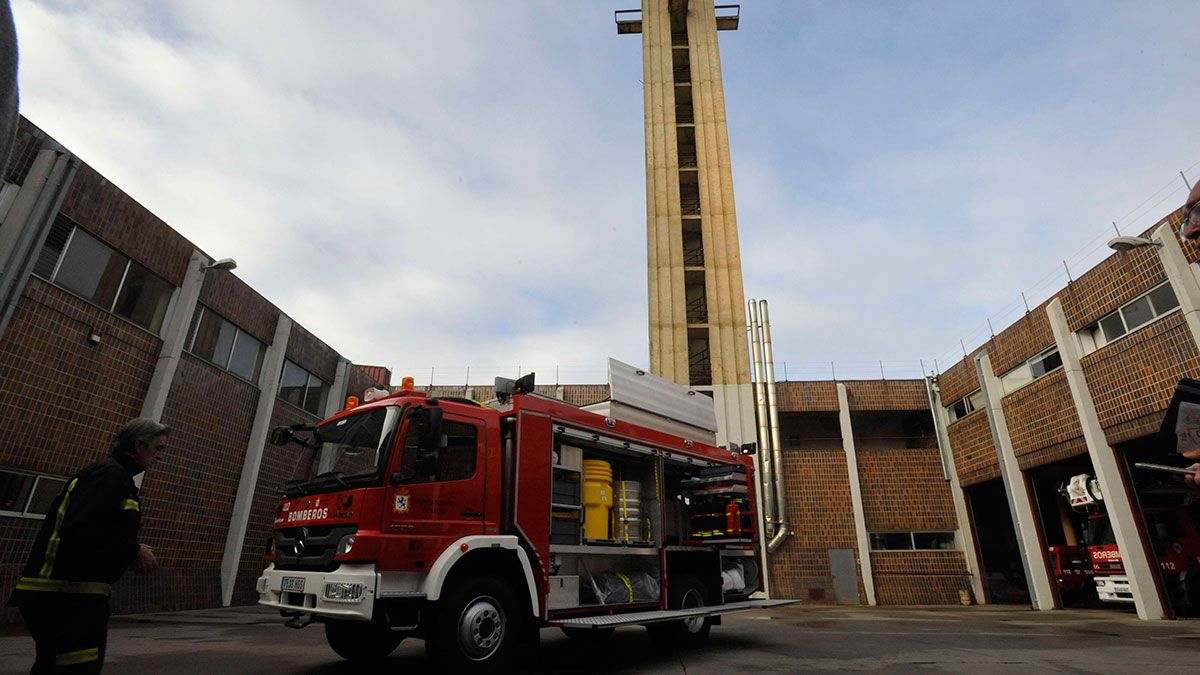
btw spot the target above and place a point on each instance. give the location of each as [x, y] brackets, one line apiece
[781, 640]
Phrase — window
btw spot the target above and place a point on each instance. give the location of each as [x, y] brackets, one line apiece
[1031, 370]
[456, 458]
[28, 495]
[912, 541]
[303, 389]
[965, 405]
[225, 345]
[1129, 317]
[88, 267]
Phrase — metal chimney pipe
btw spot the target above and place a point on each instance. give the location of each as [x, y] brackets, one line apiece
[781, 532]
[766, 489]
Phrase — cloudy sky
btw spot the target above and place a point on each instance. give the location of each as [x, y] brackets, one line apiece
[460, 184]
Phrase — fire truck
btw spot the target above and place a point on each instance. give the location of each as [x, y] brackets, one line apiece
[472, 526]
[1169, 513]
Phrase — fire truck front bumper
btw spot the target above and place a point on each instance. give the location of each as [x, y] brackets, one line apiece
[345, 593]
[1114, 588]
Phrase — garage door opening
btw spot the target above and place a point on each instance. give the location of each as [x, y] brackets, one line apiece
[1003, 575]
[1072, 535]
[1171, 520]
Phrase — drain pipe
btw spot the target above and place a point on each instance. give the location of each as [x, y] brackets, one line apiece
[781, 532]
[766, 479]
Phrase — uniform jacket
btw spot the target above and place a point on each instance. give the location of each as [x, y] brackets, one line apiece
[90, 534]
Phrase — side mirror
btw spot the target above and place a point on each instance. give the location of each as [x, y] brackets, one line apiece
[281, 436]
[431, 437]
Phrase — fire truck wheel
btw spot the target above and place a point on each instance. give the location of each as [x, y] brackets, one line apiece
[685, 592]
[361, 641]
[588, 634]
[474, 627]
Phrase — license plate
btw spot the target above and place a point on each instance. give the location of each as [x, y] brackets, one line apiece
[292, 584]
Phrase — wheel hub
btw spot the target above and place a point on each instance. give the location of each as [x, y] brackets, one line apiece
[481, 628]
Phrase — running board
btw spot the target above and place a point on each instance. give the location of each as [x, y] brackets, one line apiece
[613, 620]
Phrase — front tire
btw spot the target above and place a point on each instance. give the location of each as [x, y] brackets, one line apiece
[474, 628]
[687, 592]
[359, 641]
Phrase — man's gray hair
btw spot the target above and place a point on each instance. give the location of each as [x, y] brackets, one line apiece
[137, 429]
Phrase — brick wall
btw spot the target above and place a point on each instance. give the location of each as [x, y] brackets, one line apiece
[1028, 336]
[306, 351]
[904, 490]
[358, 381]
[1132, 379]
[16, 538]
[105, 211]
[973, 449]
[62, 398]
[818, 505]
[807, 396]
[1118, 279]
[1042, 420]
[278, 464]
[919, 577]
[233, 299]
[188, 499]
[959, 380]
[886, 395]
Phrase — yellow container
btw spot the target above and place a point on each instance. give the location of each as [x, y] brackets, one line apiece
[597, 498]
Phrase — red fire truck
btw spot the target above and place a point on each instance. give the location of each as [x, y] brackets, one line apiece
[472, 526]
[1169, 513]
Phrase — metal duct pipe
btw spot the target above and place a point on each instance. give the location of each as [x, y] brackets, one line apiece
[937, 425]
[781, 532]
[766, 479]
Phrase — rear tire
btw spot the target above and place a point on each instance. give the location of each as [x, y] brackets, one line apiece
[474, 628]
[361, 641]
[685, 592]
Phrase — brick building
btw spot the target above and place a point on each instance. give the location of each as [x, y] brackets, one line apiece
[108, 314]
[897, 492]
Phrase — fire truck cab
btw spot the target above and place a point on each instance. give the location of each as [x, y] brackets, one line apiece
[472, 526]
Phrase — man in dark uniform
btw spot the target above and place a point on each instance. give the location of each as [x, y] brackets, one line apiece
[88, 540]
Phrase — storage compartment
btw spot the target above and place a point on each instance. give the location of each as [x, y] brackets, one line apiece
[565, 487]
[564, 592]
[565, 526]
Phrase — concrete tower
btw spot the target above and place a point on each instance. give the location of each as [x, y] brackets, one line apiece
[697, 308]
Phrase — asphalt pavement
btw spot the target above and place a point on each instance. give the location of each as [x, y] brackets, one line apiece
[780, 640]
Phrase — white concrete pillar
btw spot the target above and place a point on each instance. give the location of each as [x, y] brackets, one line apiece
[337, 391]
[1143, 577]
[964, 538]
[1020, 502]
[28, 220]
[268, 387]
[174, 335]
[1181, 276]
[860, 521]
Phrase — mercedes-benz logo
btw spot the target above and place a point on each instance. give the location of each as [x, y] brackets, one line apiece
[300, 537]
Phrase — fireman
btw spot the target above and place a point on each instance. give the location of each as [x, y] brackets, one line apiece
[87, 541]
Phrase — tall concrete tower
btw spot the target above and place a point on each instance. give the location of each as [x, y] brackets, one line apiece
[697, 319]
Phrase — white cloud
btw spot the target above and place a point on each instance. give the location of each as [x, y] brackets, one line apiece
[446, 184]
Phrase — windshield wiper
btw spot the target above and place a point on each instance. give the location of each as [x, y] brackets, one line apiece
[337, 475]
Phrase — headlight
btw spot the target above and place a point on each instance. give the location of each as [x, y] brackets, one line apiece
[271, 545]
[343, 591]
[345, 544]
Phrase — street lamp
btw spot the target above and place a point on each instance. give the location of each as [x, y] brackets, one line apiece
[222, 264]
[1126, 243]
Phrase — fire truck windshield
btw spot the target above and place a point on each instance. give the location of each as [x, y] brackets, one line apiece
[346, 451]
